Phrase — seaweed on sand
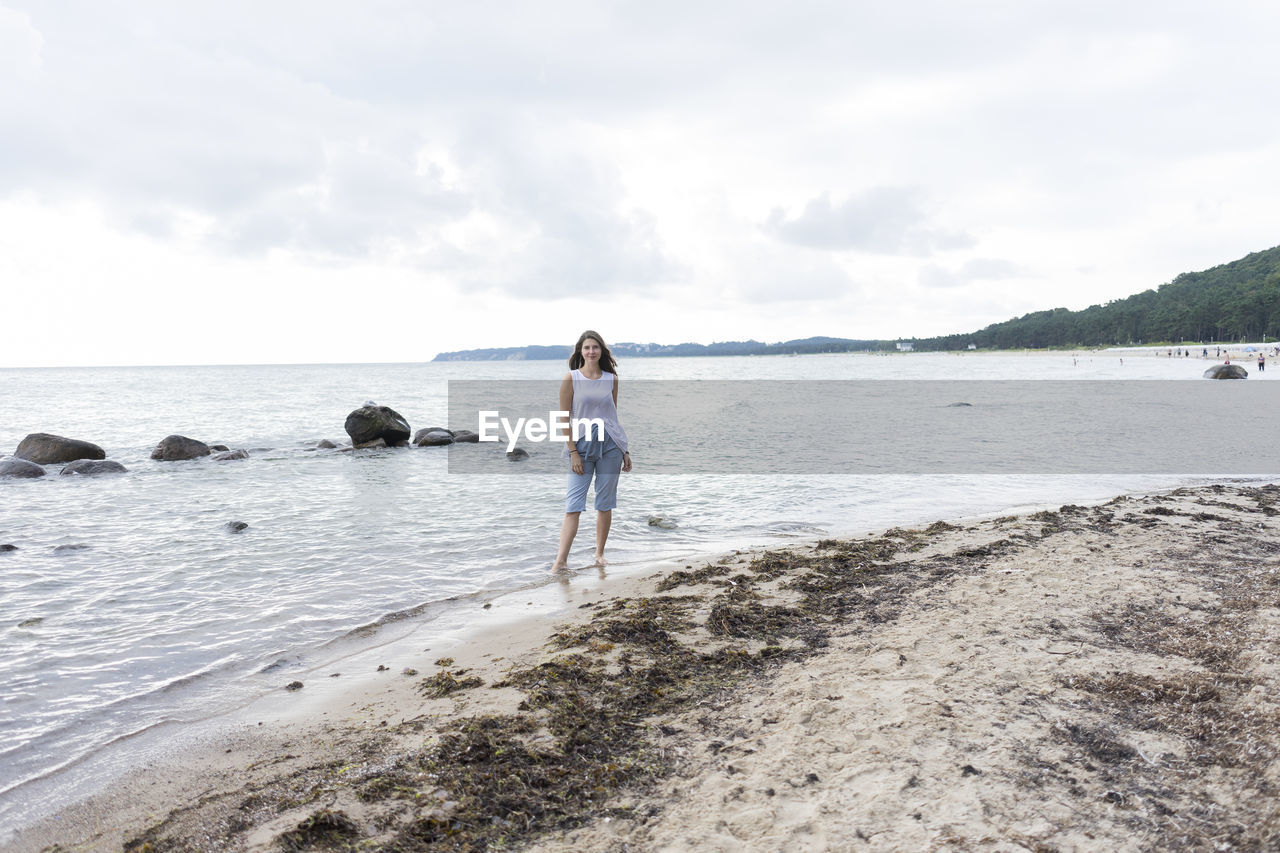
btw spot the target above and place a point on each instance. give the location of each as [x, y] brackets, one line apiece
[706, 574]
[592, 720]
[1183, 751]
[323, 830]
[445, 682]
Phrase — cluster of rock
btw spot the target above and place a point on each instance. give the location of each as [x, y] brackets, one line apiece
[179, 448]
[41, 448]
[372, 425]
[369, 426]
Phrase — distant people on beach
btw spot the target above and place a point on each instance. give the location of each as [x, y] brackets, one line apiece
[589, 392]
[1262, 362]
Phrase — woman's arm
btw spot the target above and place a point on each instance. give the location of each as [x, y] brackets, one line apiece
[566, 393]
[566, 405]
[626, 457]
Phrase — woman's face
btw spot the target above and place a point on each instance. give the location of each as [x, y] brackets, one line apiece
[590, 349]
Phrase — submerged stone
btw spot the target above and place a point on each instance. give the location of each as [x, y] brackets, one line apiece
[15, 467]
[433, 437]
[92, 467]
[175, 448]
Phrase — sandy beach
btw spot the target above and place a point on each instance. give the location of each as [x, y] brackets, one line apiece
[1087, 678]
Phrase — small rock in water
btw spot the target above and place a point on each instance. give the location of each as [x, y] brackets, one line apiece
[63, 548]
[517, 454]
[959, 405]
[221, 448]
[20, 468]
[326, 444]
[236, 526]
[383, 667]
[45, 449]
[8, 546]
[433, 437]
[31, 623]
[465, 436]
[92, 467]
[293, 685]
[230, 455]
[176, 448]
[408, 670]
[664, 523]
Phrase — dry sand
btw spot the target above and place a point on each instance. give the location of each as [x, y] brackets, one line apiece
[1093, 678]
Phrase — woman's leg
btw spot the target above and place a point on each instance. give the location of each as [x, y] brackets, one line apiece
[607, 473]
[603, 519]
[568, 530]
[575, 502]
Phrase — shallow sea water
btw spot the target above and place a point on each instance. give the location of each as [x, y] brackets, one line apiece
[129, 603]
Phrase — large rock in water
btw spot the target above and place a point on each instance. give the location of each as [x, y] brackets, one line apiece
[91, 467]
[174, 448]
[1226, 371]
[370, 423]
[19, 468]
[45, 449]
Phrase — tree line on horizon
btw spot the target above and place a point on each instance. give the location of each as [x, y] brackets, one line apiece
[1238, 301]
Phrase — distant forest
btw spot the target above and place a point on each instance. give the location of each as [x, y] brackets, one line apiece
[1239, 301]
[630, 350]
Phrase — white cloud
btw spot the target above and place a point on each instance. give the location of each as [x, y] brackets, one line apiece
[819, 169]
[884, 220]
[21, 46]
[974, 269]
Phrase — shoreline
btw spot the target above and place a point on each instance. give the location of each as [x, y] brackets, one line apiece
[728, 683]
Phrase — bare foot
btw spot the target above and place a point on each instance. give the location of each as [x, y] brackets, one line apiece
[601, 562]
[559, 567]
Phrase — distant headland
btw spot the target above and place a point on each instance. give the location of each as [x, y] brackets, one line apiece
[1237, 301]
[632, 350]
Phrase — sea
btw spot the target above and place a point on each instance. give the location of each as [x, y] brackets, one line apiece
[128, 604]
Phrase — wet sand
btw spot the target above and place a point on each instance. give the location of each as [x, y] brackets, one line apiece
[1089, 678]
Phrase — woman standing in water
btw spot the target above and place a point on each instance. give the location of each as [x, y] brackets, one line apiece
[589, 391]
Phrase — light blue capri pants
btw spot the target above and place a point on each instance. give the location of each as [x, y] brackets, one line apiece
[605, 469]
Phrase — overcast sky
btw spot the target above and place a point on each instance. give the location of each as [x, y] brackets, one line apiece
[310, 181]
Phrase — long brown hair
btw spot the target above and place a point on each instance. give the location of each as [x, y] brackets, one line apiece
[607, 363]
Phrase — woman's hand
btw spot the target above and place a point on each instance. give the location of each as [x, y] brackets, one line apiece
[575, 462]
[626, 462]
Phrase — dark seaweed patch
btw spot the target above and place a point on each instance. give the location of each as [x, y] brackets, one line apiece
[324, 830]
[444, 682]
